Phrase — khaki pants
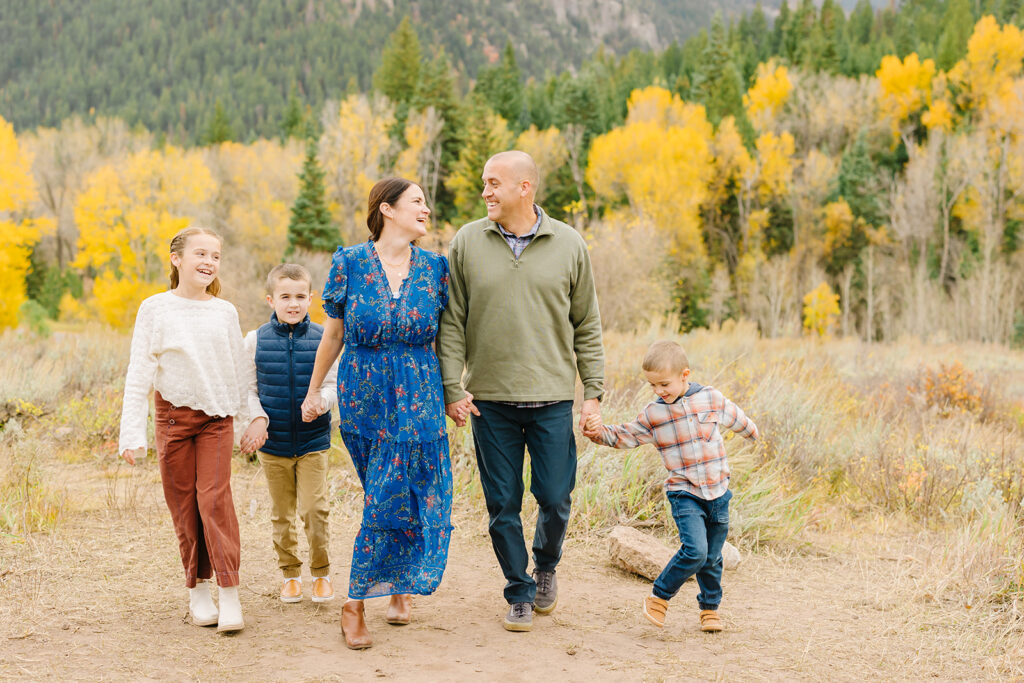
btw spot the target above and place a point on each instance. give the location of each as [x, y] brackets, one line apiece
[299, 485]
[195, 469]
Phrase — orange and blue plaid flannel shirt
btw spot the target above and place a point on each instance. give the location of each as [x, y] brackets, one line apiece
[686, 434]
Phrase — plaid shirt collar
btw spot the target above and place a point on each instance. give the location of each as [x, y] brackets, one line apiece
[518, 242]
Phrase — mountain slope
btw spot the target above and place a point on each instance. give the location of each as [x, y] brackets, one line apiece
[163, 63]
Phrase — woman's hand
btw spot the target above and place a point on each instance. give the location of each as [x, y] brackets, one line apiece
[255, 436]
[312, 406]
[460, 410]
[132, 453]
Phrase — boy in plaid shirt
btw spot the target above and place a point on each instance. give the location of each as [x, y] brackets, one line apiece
[683, 424]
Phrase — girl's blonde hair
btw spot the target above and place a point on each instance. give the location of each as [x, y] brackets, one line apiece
[178, 247]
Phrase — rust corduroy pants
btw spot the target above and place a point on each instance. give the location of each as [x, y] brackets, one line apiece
[195, 468]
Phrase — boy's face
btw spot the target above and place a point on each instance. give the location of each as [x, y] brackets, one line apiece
[668, 384]
[290, 300]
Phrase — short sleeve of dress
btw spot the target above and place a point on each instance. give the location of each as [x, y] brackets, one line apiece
[336, 287]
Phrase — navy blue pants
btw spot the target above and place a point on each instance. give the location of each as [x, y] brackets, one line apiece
[703, 526]
[501, 434]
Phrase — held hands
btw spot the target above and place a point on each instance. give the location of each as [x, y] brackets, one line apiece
[312, 407]
[132, 453]
[590, 420]
[255, 436]
[460, 410]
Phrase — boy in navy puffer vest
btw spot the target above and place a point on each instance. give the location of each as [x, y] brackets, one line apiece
[293, 453]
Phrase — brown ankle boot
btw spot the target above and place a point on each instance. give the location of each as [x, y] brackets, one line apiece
[399, 610]
[353, 626]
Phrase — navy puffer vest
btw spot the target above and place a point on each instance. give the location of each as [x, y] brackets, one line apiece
[284, 366]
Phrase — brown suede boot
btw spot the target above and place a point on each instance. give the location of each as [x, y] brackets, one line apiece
[399, 610]
[709, 621]
[655, 609]
[353, 626]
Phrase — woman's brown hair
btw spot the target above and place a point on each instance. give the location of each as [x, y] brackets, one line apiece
[178, 247]
[386, 191]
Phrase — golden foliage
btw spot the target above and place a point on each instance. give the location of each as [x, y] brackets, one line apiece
[993, 60]
[661, 162]
[126, 216]
[355, 151]
[839, 222]
[821, 310]
[18, 232]
[770, 91]
[775, 159]
[906, 87]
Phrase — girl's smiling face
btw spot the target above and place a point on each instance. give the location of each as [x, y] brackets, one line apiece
[199, 262]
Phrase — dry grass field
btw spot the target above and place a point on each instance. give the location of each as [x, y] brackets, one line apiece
[879, 519]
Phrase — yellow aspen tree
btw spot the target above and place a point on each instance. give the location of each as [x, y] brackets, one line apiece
[992, 62]
[356, 150]
[767, 96]
[127, 214]
[256, 185]
[660, 162]
[18, 231]
[774, 164]
[906, 88]
[821, 310]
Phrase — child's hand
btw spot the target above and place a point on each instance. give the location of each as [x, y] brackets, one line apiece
[132, 453]
[592, 428]
[255, 436]
[312, 407]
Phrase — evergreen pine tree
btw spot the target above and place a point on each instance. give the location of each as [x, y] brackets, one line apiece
[310, 226]
[219, 129]
[501, 87]
[293, 123]
[718, 84]
[399, 70]
[957, 25]
[437, 89]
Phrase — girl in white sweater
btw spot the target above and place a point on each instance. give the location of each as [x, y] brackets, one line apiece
[187, 345]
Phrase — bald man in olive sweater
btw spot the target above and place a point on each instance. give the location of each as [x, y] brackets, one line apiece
[522, 321]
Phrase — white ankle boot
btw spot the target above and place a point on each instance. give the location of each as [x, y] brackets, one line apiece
[230, 610]
[200, 605]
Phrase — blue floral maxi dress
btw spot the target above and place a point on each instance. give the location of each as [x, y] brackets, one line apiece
[392, 418]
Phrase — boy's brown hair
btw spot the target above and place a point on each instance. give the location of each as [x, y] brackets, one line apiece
[665, 356]
[292, 271]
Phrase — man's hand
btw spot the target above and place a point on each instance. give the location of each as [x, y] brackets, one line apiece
[255, 436]
[132, 453]
[460, 410]
[590, 407]
[312, 406]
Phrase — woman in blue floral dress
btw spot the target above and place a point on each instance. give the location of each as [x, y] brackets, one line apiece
[384, 299]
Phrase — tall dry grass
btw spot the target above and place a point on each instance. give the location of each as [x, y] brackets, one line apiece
[928, 439]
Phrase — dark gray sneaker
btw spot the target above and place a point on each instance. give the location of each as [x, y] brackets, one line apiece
[547, 591]
[519, 617]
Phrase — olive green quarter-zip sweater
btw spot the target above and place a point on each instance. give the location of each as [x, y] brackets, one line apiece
[520, 328]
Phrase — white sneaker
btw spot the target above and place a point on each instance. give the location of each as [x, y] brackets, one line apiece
[230, 610]
[201, 606]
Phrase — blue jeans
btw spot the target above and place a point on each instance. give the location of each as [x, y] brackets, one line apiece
[703, 526]
[501, 434]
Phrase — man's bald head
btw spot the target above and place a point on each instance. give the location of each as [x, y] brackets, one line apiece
[520, 166]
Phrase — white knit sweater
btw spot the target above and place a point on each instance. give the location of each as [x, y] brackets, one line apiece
[190, 351]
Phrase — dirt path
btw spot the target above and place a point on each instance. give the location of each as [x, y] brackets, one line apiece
[101, 599]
